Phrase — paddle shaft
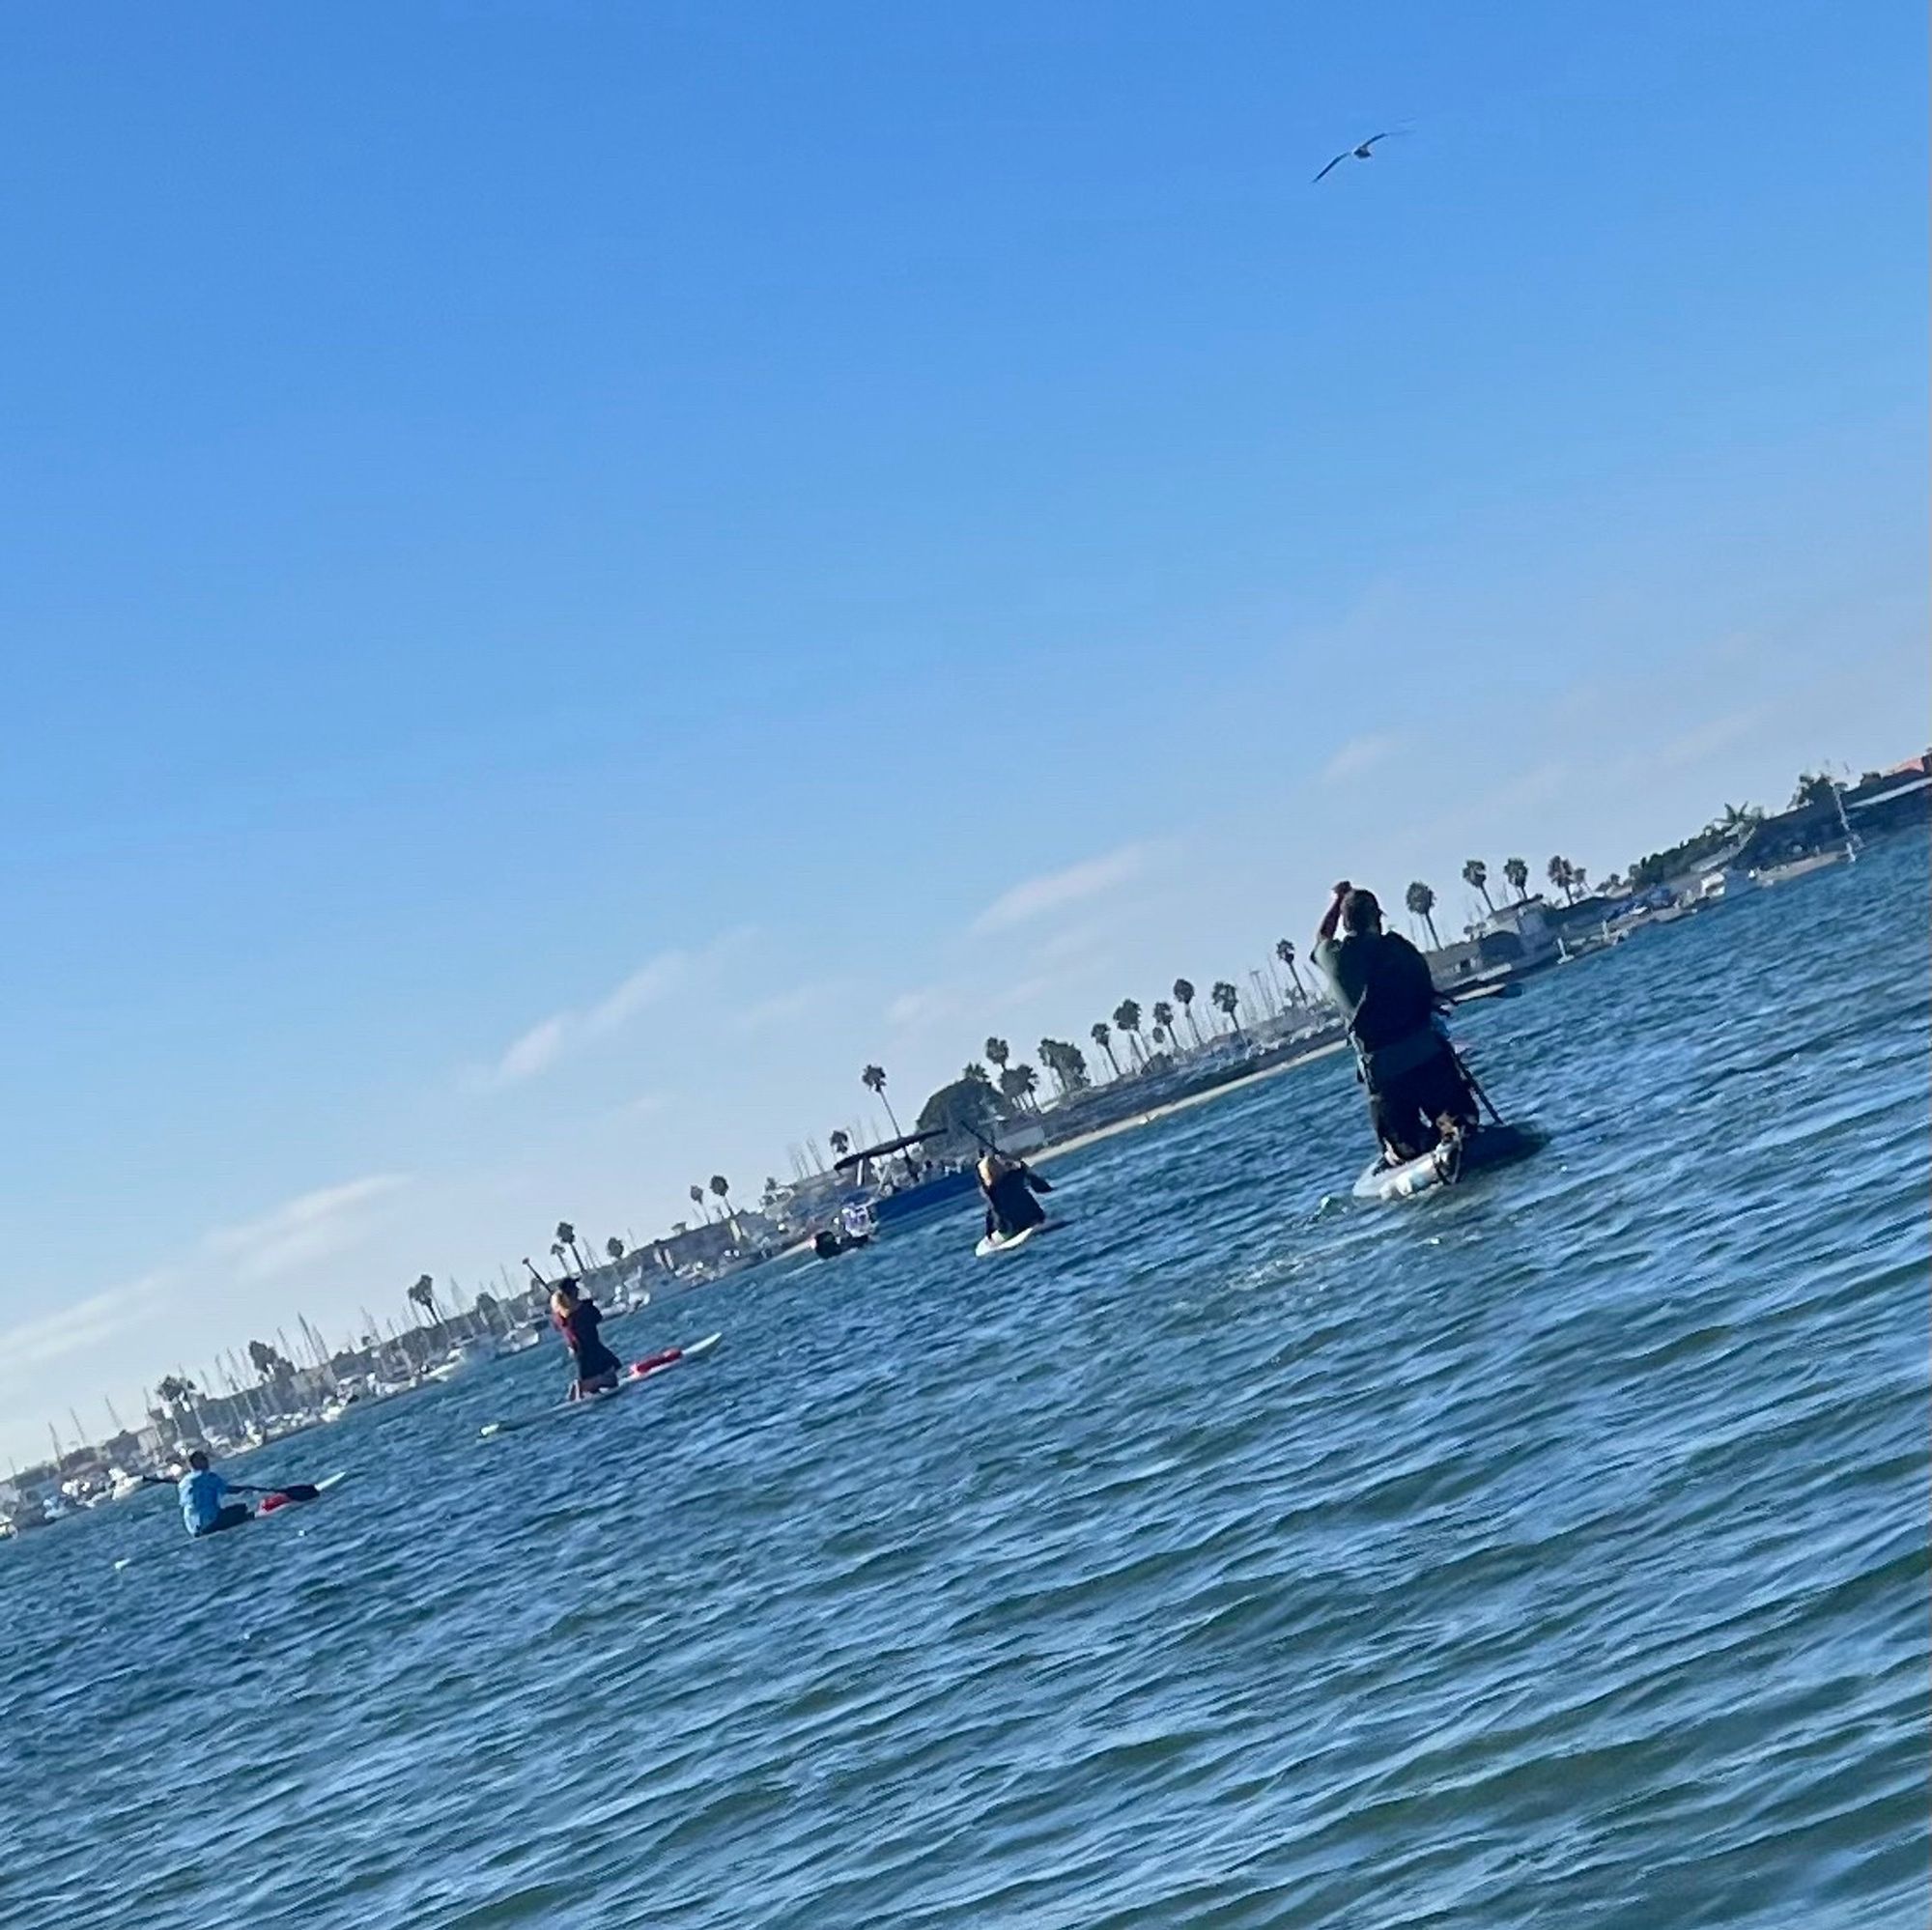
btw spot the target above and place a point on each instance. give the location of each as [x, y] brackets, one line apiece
[1463, 1067]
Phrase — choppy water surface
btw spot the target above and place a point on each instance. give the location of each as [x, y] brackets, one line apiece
[1551, 1552]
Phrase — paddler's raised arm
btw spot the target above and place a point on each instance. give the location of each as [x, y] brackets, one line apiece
[1324, 932]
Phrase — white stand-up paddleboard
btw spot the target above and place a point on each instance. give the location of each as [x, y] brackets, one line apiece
[1487, 1146]
[634, 1376]
[992, 1242]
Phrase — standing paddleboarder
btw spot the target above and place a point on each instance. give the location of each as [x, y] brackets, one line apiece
[1418, 1094]
[1009, 1186]
[578, 1321]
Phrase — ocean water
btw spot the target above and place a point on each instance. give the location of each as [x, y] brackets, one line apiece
[1548, 1552]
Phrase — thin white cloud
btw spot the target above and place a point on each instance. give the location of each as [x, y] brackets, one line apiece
[535, 1051]
[1024, 993]
[644, 987]
[782, 1009]
[79, 1327]
[310, 1227]
[911, 1012]
[1076, 945]
[313, 1226]
[1707, 739]
[1054, 891]
[1358, 756]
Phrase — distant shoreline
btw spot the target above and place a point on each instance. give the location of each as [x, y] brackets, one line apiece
[1154, 1116]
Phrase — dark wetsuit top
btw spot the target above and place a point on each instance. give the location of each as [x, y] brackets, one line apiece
[578, 1328]
[1381, 984]
[1010, 1203]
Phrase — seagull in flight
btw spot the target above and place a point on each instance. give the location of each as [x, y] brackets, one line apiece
[1361, 153]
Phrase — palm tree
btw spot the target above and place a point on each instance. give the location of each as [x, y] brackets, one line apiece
[696, 1196]
[1285, 950]
[1019, 1083]
[1228, 999]
[1065, 1062]
[1476, 875]
[1518, 874]
[840, 1142]
[1813, 787]
[1127, 1017]
[1421, 902]
[1056, 1056]
[1162, 1015]
[567, 1233]
[614, 1247]
[1563, 875]
[175, 1391]
[422, 1295]
[722, 1186]
[1049, 1056]
[999, 1052]
[1105, 1040]
[560, 1253]
[1184, 990]
[873, 1079]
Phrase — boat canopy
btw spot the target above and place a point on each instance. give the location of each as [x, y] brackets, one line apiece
[853, 1160]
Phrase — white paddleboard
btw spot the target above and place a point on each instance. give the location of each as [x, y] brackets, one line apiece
[327, 1482]
[1487, 1145]
[992, 1243]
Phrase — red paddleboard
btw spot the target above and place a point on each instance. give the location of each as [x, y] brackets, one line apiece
[656, 1363]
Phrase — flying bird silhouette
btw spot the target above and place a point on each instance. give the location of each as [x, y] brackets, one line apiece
[1361, 153]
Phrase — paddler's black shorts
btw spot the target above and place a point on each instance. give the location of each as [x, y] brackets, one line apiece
[233, 1514]
[1405, 1110]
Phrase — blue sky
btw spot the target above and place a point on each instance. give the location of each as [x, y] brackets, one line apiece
[577, 571]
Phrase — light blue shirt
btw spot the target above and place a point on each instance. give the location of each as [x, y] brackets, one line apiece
[201, 1492]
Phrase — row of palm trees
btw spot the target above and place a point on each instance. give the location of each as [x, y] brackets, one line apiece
[1569, 878]
[1066, 1064]
[1128, 1020]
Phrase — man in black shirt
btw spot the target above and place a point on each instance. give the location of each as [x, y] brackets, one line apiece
[1417, 1090]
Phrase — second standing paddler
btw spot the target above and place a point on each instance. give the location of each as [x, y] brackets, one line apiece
[1009, 1186]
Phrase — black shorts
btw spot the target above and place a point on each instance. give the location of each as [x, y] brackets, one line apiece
[233, 1514]
[1408, 1106]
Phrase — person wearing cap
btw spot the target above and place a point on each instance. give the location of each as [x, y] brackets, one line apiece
[578, 1319]
[1379, 982]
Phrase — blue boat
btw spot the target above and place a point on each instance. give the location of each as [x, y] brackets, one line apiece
[898, 1185]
